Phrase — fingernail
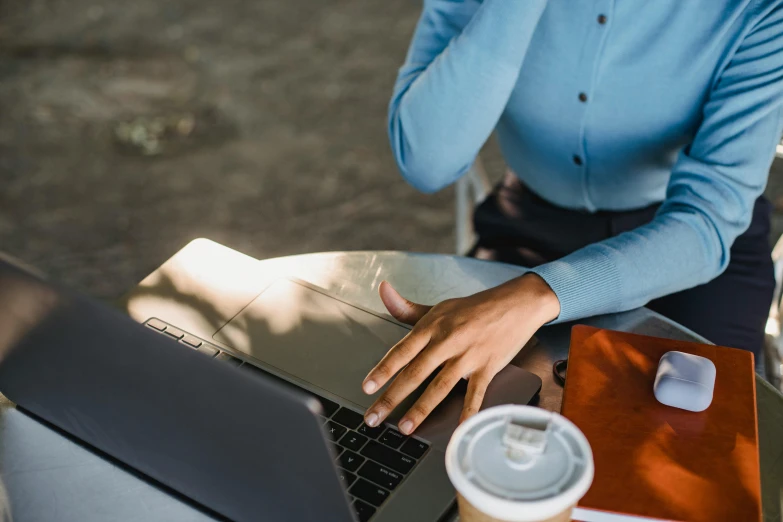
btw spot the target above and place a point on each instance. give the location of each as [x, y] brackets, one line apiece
[369, 386]
[372, 420]
[406, 427]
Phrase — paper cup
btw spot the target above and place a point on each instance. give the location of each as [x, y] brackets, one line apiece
[518, 464]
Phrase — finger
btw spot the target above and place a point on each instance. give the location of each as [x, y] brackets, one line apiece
[395, 359]
[400, 308]
[477, 388]
[438, 389]
[406, 383]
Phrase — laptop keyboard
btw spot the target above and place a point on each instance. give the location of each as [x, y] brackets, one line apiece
[371, 462]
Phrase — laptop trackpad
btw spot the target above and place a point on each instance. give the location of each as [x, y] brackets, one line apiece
[312, 336]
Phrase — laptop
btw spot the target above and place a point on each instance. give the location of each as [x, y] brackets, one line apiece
[255, 420]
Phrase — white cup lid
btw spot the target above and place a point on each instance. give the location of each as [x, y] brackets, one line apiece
[520, 463]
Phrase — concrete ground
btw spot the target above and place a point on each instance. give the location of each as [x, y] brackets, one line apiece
[129, 128]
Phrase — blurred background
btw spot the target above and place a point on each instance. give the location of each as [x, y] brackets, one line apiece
[129, 128]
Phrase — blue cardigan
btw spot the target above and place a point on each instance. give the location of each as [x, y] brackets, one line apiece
[604, 105]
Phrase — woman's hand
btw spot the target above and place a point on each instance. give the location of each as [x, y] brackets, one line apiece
[473, 337]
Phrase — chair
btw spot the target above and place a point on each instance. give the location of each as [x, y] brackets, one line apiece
[773, 345]
[471, 190]
[773, 342]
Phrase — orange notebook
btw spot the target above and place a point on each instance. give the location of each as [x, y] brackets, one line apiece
[655, 462]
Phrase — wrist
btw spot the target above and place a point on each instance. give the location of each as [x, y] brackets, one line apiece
[539, 301]
[550, 303]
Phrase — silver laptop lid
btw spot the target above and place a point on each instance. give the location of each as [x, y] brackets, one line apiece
[236, 442]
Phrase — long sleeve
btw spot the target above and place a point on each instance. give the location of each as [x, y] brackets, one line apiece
[709, 198]
[459, 73]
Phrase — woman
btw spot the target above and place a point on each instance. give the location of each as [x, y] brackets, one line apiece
[638, 135]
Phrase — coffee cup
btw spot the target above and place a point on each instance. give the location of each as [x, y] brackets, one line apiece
[518, 464]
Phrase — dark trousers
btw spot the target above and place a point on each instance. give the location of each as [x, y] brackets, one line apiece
[516, 226]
